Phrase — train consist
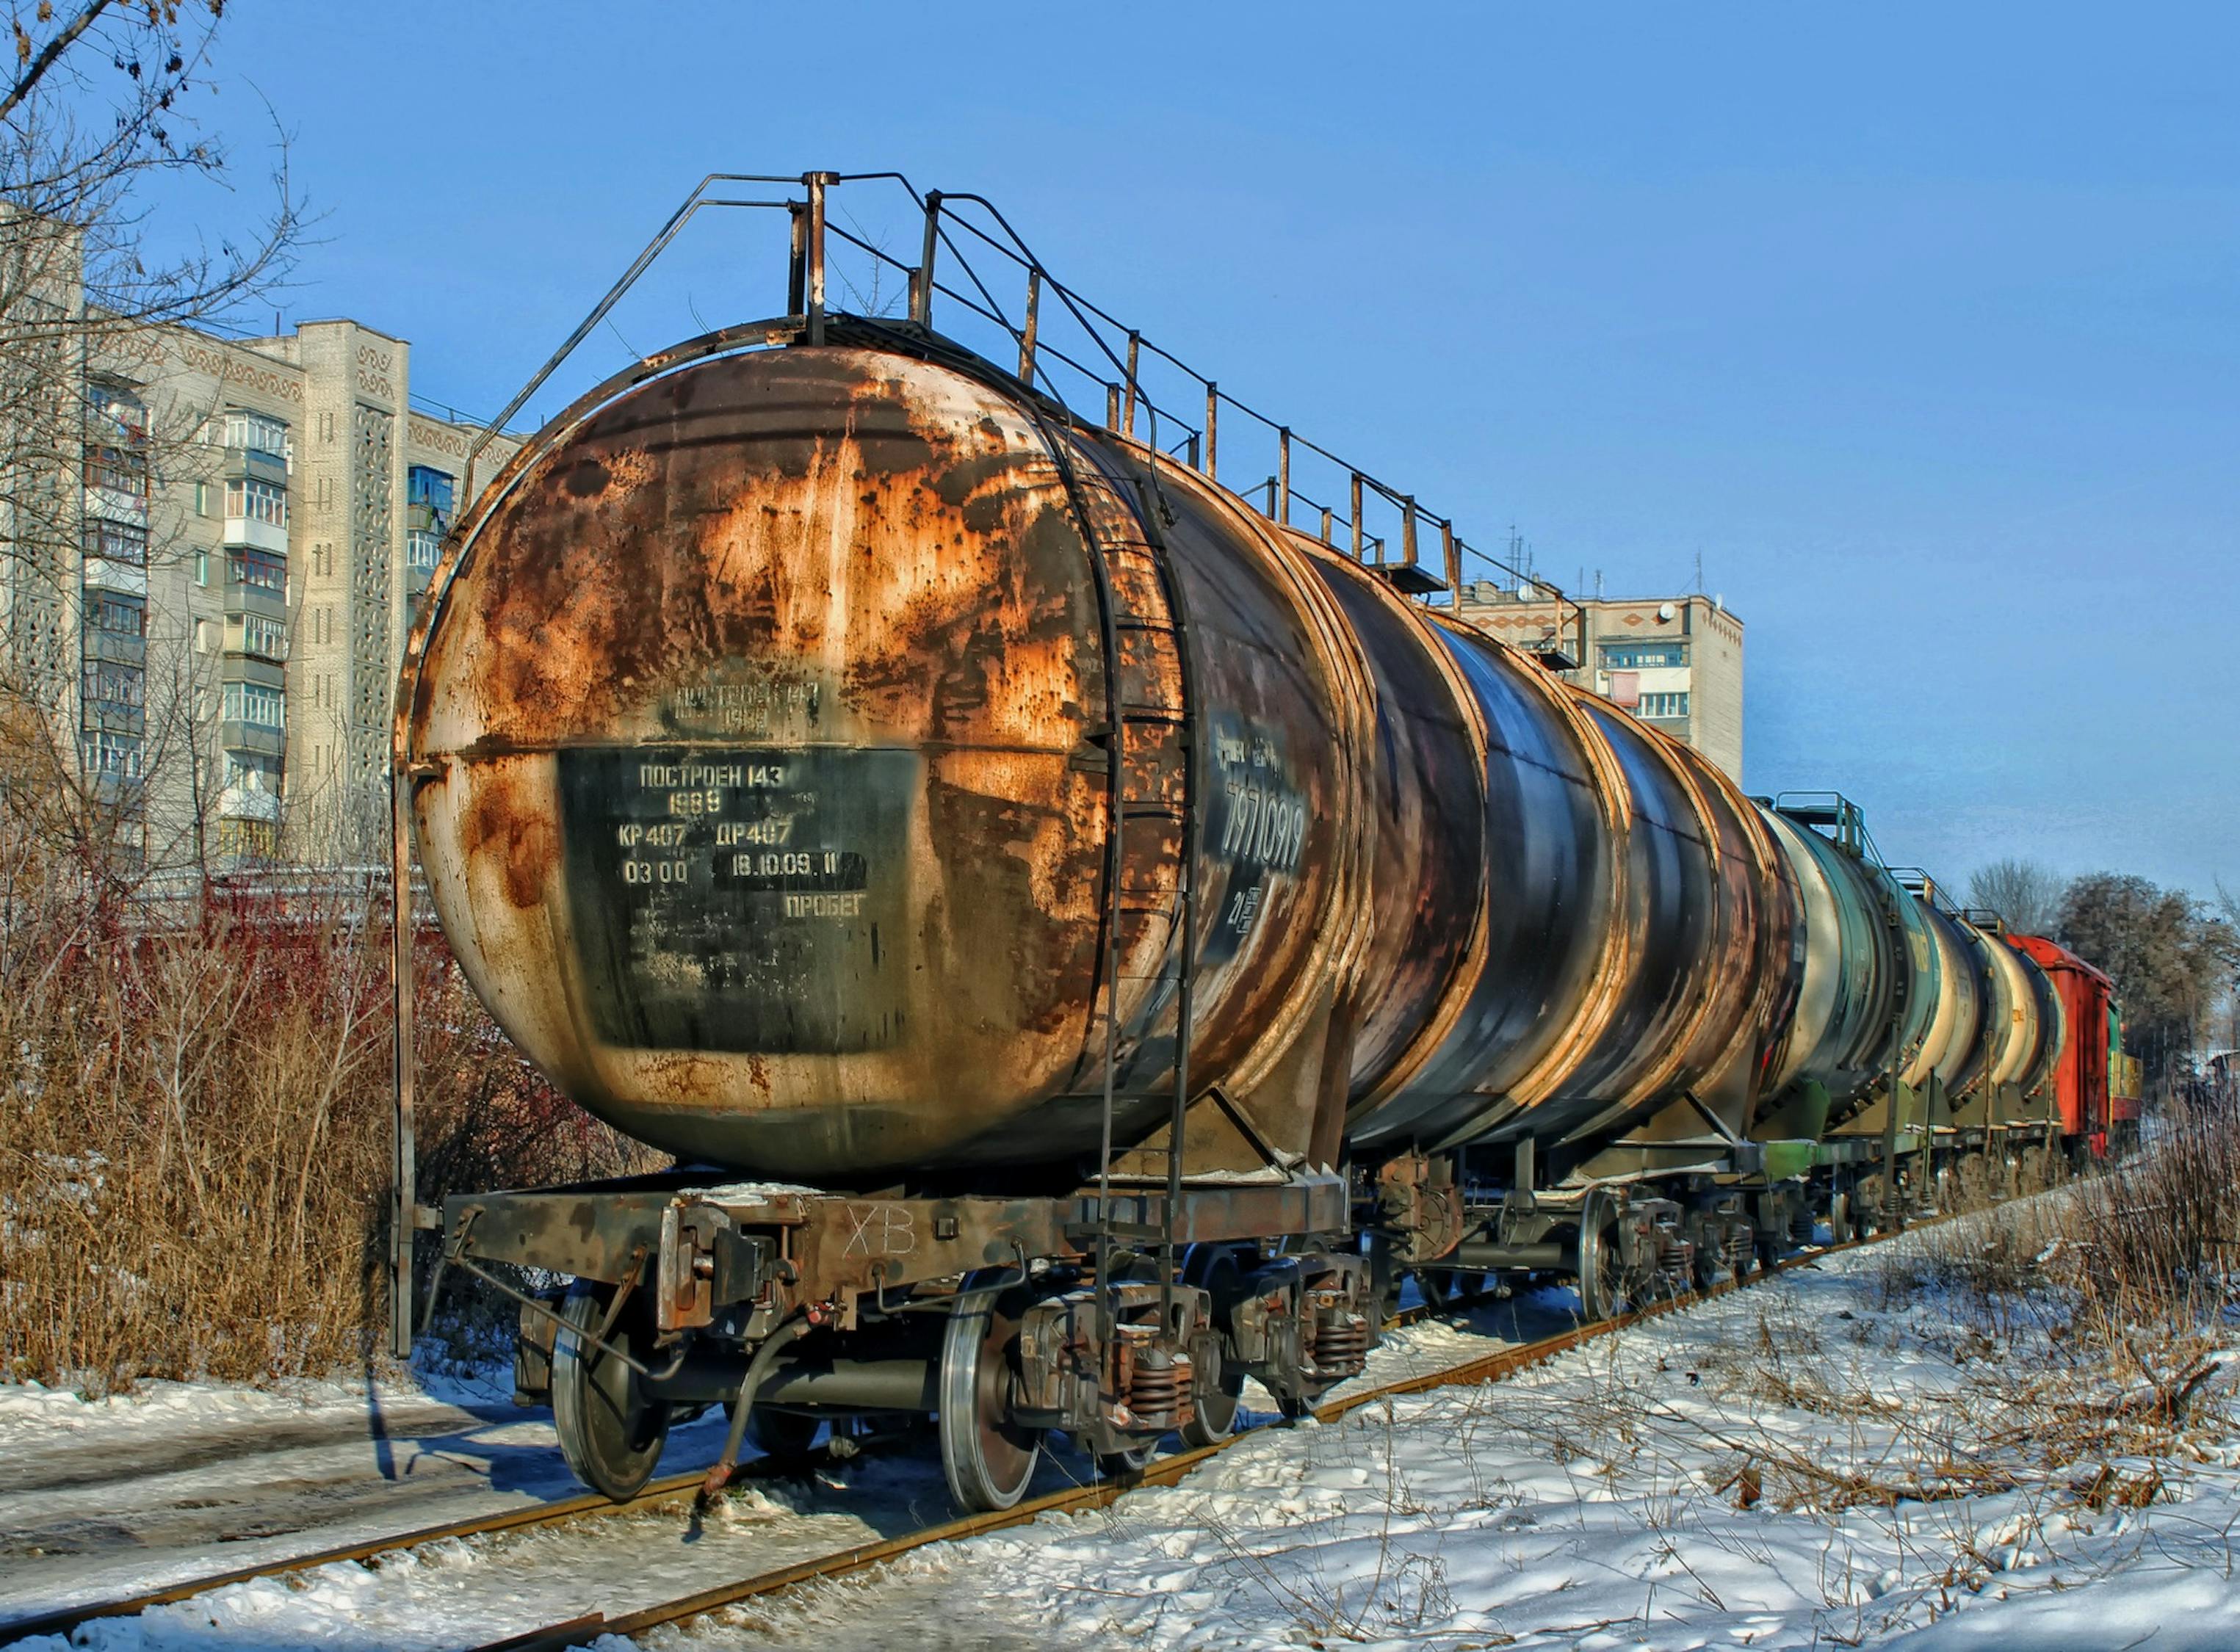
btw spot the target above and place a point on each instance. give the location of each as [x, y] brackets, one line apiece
[1089, 940]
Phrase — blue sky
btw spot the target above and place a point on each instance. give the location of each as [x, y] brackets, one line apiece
[1919, 324]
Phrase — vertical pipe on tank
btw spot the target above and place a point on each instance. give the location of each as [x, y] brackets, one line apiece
[1356, 515]
[1212, 431]
[1408, 531]
[797, 270]
[1326, 524]
[922, 305]
[816, 181]
[1027, 327]
[1112, 406]
[1451, 553]
[1135, 351]
[403, 1175]
[1284, 475]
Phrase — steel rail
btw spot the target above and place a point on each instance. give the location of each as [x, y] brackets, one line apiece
[587, 1505]
[1163, 1471]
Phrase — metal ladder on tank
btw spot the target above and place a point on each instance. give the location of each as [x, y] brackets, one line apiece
[1146, 645]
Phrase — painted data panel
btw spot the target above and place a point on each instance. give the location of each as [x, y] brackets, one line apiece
[740, 900]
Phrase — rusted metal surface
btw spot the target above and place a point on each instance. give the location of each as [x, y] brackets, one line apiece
[761, 775]
[775, 716]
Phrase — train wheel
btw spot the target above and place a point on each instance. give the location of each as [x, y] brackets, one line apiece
[1126, 1465]
[1602, 1292]
[1841, 1230]
[1215, 1392]
[1706, 1259]
[783, 1436]
[611, 1431]
[987, 1456]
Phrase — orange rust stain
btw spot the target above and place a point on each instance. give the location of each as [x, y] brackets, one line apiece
[503, 821]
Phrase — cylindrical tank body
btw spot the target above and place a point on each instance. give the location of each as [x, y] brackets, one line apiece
[821, 756]
[1614, 925]
[2011, 1015]
[760, 733]
[1956, 1030]
[1836, 1038]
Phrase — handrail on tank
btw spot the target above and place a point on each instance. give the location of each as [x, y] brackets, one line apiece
[1114, 363]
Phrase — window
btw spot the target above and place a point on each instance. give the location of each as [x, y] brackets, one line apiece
[1635, 657]
[421, 547]
[117, 542]
[115, 440]
[249, 839]
[254, 703]
[116, 754]
[261, 571]
[1663, 705]
[425, 485]
[117, 614]
[109, 686]
[202, 568]
[261, 634]
[257, 432]
[258, 501]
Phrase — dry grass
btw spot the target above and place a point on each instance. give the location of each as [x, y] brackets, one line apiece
[2144, 1253]
[193, 1123]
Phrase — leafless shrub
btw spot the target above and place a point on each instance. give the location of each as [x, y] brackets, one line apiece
[195, 1116]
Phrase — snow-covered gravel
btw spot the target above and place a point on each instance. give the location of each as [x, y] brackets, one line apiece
[1804, 1464]
[335, 1466]
[177, 1481]
[1709, 1479]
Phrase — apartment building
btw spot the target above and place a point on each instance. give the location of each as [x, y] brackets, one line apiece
[1674, 661]
[259, 518]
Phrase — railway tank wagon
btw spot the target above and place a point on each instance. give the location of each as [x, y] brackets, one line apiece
[1085, 940]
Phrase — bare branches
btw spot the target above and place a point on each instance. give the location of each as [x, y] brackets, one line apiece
[49, 55]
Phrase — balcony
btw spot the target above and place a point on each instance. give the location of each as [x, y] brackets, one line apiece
[107, 573]
[112, 716]
[255, 739]
[255, 464]
[117, 648]
[256, 535]
[250, 797]
[260, 636]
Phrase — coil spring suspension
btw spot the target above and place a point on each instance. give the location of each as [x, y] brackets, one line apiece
[1741, 1244]
[1157, 1382]
[1341, 1343]
[1800, 1225]
[1673, 1253]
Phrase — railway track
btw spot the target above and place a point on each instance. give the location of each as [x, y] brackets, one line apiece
[681, 1487]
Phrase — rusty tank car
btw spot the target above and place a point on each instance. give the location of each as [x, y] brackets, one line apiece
[1085, 938]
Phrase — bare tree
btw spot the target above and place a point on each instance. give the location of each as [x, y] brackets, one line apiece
[97, 133]
[2027, 893]
[2168, 954]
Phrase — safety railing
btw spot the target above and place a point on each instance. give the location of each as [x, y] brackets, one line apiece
[977, 280]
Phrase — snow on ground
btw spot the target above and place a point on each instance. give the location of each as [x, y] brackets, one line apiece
[186, 1480]
[1800, 1465]
[1813, 1463]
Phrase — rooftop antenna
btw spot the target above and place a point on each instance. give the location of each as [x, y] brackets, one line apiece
[1699, 586]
